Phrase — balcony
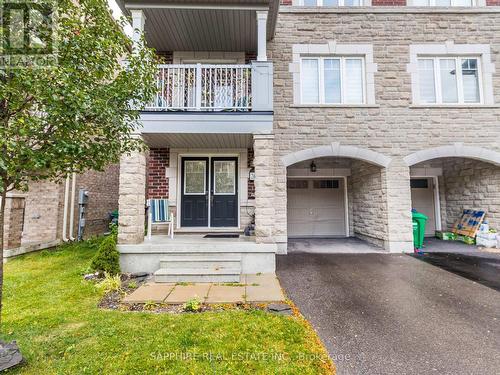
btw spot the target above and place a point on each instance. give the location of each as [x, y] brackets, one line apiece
[200, 87]
[213, 88]
[225, 103]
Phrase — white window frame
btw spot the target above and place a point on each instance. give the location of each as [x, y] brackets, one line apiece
[332, 49]
[234, 177]
[319, 3]
[459, 75]
[204, 179]
[449, 49]
[321, 78]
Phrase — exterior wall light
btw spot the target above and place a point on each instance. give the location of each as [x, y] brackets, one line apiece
[313, 166]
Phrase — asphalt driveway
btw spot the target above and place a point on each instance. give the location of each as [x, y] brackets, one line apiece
[393, 314]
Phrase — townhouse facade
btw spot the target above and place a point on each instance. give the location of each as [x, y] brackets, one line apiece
[312, 119]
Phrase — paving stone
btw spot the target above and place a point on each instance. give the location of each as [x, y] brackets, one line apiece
[183, 293]
[264, 293]
[226, 294]
[261, 279]
[149, 293]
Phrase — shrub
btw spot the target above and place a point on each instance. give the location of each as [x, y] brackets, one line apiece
[150, 306]
[107, 258]
[194, 304]
[110, 283]
[113, 229]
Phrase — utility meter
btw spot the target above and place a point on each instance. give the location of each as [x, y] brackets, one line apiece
[83, 196]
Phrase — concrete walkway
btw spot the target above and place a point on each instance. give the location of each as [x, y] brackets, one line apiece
[350, 245]
[254, 288]
[393, 314]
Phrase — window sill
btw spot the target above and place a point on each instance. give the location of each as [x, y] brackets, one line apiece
[457, 106]
[334, 106]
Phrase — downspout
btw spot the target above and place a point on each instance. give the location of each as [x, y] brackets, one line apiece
[72, 208]
[65, 210]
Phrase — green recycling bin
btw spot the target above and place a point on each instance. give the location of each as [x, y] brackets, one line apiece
[419, 221]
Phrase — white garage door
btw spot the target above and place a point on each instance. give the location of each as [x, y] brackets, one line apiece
[422, 199]
[316, 208]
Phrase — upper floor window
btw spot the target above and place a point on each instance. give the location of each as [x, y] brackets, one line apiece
[451, 74]
[449, 80]
[443, 3]
[332, 80]
[329, 3]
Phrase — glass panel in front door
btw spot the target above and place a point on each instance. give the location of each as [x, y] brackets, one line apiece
[194, 177]
[224, 177]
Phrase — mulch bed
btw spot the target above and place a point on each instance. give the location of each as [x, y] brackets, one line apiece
[113, 301]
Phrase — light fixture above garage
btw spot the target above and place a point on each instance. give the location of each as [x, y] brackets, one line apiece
[313, 166]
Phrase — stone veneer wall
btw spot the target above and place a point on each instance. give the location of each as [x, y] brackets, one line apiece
[392, 127]
[388, 2]
[471, 184]
[251, 184]
[368, 202]
[132, 198]
[264, 188]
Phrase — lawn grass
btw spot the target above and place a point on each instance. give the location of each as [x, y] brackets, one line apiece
[52, 313]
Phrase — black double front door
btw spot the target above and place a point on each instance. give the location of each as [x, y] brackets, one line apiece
[209, 192]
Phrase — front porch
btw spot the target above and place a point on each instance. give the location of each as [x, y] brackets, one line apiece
[218, 187]
[194, 258]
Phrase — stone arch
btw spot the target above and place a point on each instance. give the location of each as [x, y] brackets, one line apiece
[336, 149]
[457, 150]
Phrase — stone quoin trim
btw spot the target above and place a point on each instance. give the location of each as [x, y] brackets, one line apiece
[458, 150]
[333, 49]
[451, 49]
[338, 150]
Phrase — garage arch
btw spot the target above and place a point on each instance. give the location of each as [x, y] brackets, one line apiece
[332, 192]
[337, 150]
[457, 150]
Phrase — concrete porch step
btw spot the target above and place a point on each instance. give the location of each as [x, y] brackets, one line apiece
[175, 261]
[188, 231]
[170, 275]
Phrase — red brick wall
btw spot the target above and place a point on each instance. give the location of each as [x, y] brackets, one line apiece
[249, 57]
[493, 2]
[251, 184]
[388, 2]
[103, 199]
[157, 183]
[166, 57]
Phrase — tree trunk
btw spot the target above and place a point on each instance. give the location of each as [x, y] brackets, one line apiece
[2, 222]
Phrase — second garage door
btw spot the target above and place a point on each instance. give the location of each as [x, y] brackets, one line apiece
[316, 208]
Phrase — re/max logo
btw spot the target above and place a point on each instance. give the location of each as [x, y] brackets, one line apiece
[28, 27]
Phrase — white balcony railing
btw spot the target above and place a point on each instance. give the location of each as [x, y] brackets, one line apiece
[199, 87]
